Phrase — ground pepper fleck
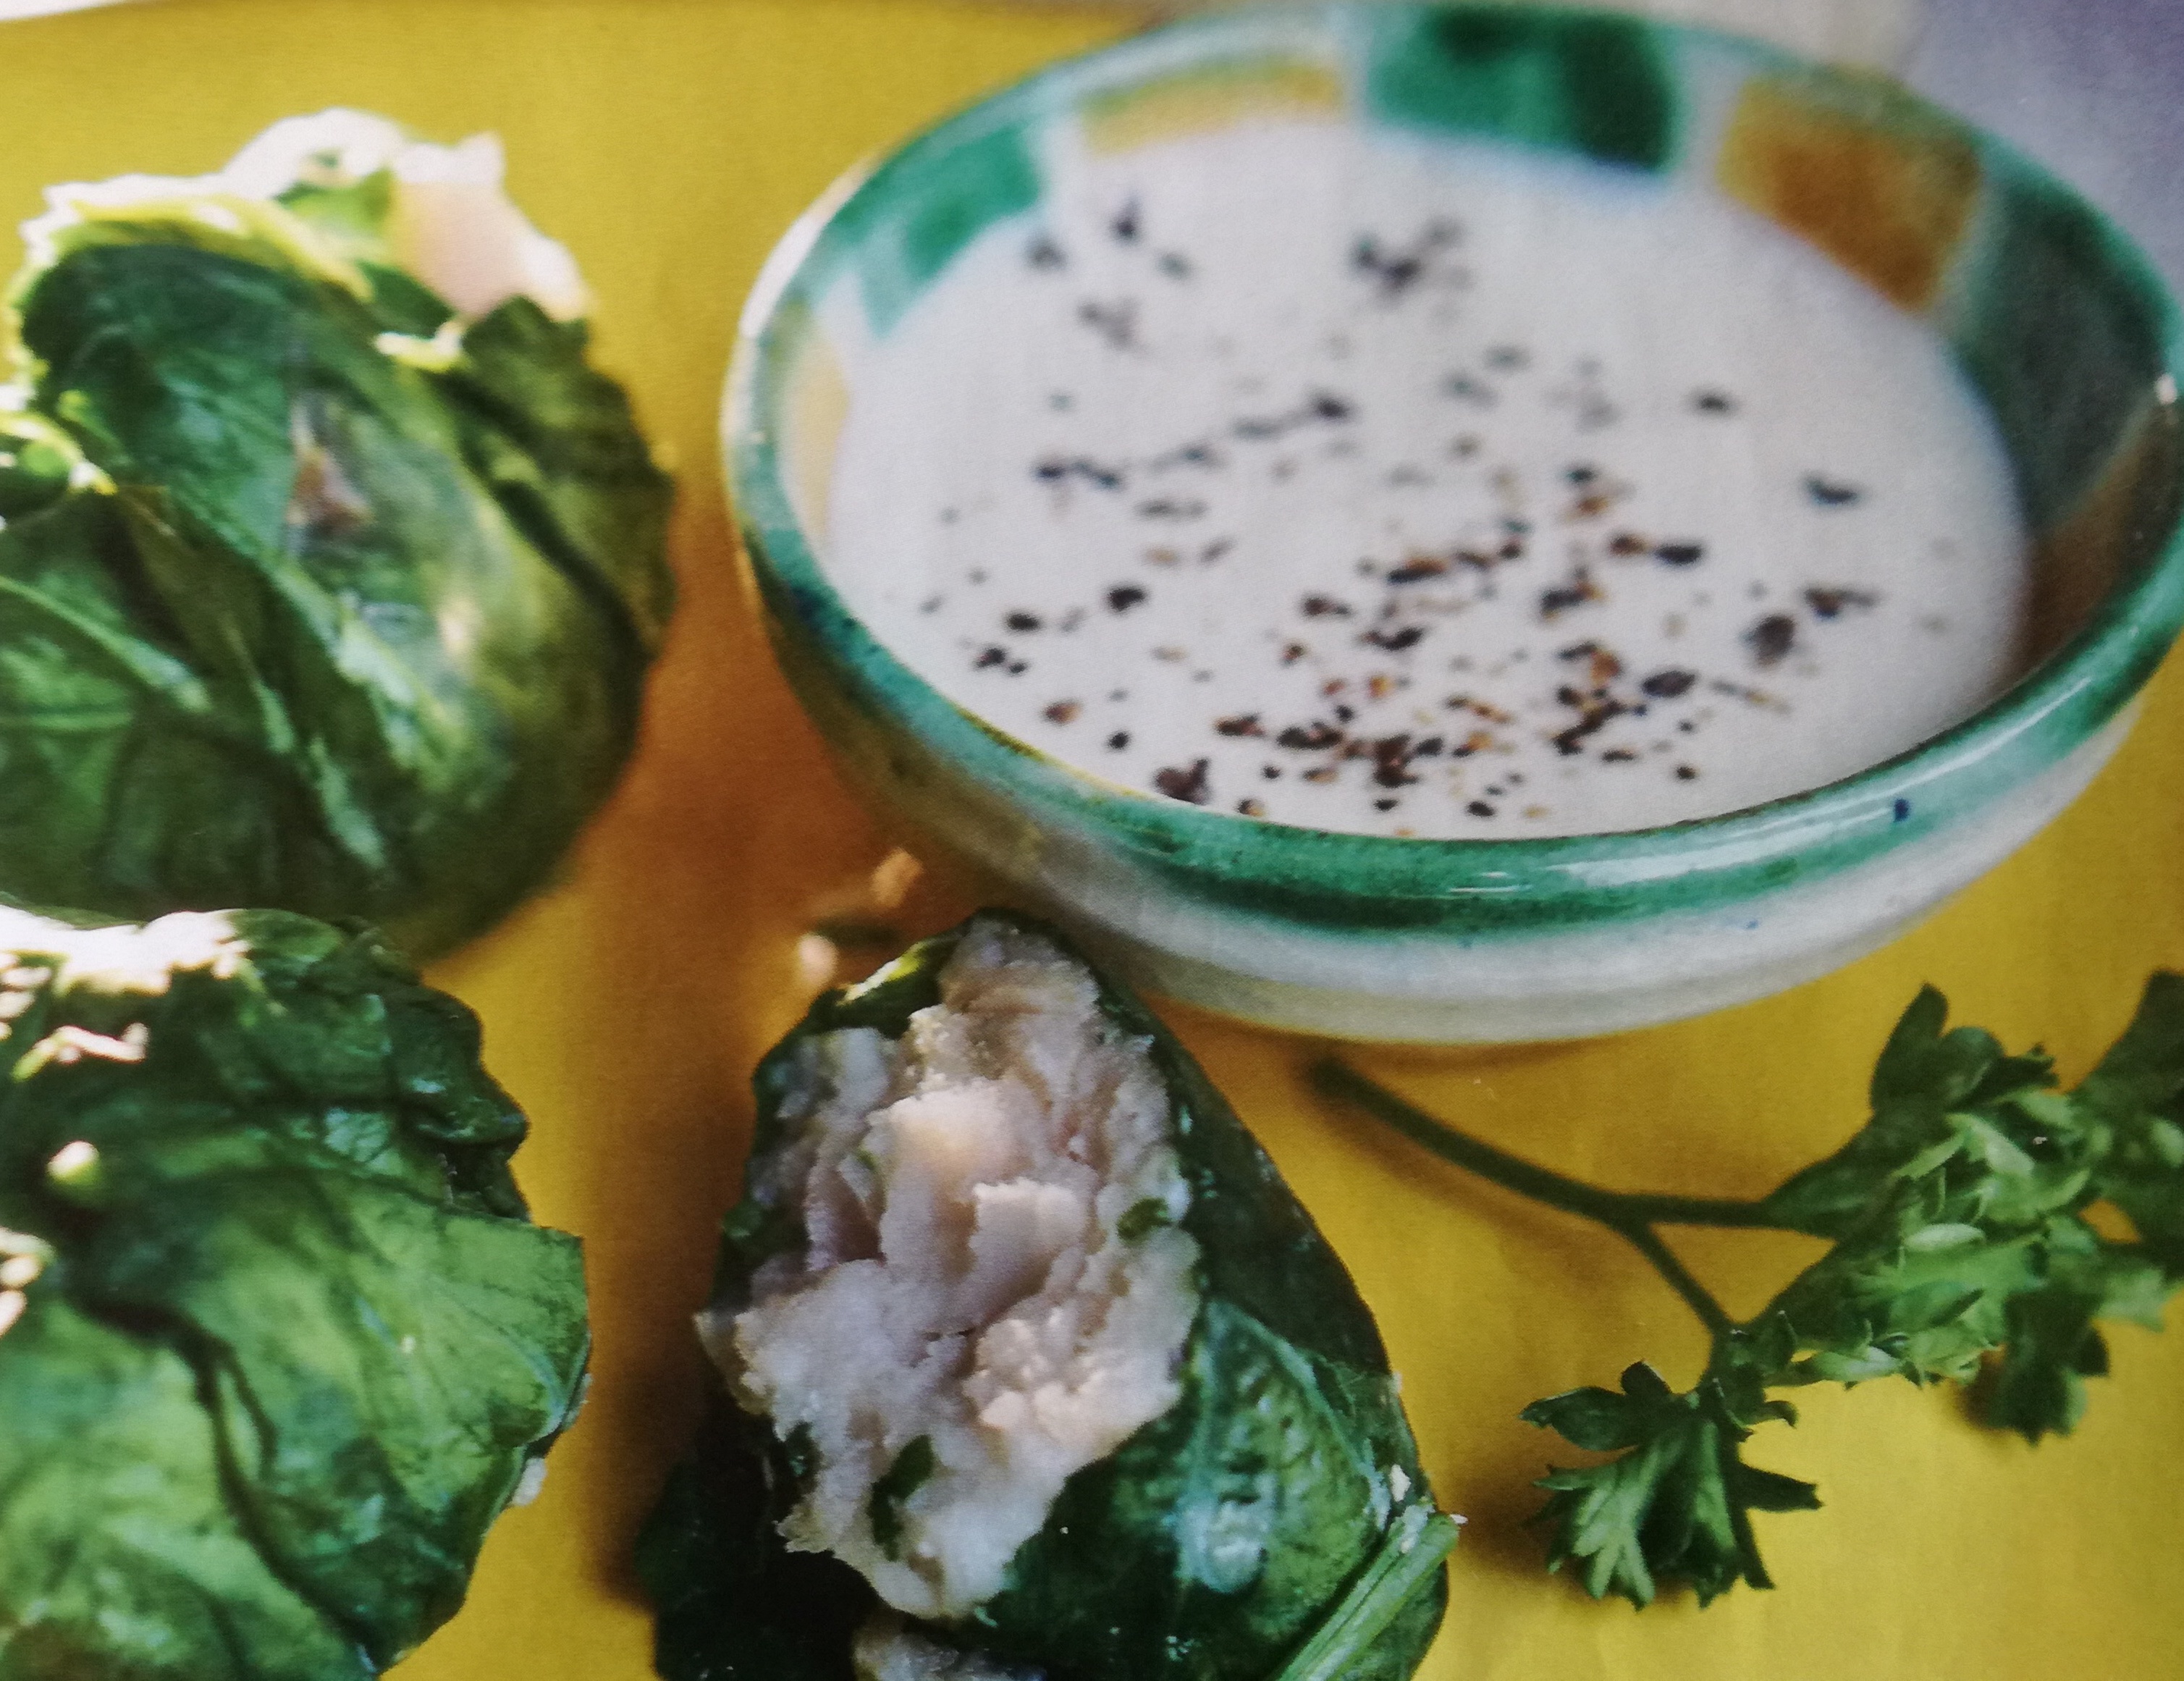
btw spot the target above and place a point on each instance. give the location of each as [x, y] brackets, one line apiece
[1772, 638]
[1190, 785]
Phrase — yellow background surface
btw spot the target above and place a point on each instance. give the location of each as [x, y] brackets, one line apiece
[669, 142]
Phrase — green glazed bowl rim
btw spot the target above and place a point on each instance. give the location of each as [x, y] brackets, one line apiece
[1329, 876]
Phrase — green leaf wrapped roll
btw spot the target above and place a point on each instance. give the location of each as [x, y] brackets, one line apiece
[331, 567]
[279, 1339]
[1038, 1368]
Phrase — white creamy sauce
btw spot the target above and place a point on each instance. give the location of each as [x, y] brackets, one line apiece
[1426, 488]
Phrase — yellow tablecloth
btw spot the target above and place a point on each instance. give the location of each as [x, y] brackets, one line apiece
[669, 142]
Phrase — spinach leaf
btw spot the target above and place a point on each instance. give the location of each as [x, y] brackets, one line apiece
[317, 596]
[280, 1341]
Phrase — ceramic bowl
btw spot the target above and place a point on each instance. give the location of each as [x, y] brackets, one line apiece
[2060, 324]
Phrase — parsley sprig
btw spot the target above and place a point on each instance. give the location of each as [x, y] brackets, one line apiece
[1958, 1222]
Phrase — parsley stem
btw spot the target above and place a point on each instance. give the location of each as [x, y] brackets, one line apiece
[1696, 1297]
[1630, 1217]
[1620, 1208]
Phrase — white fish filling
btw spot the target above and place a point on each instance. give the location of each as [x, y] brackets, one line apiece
[887, 1651]
[994, 1271]
[449, 220]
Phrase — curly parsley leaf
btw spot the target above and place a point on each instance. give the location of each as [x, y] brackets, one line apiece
[1966, 1239]
[1677, 1503]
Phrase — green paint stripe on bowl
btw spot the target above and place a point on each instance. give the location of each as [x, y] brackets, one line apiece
[926, 206]
[2060, 328]
[1592, 84]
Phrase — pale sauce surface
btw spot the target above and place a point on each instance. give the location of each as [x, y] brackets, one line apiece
[1426, 489]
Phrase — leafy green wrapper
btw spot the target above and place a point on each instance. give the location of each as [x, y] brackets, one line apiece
[313, 594]
[1279, 1495]
[281, 1339]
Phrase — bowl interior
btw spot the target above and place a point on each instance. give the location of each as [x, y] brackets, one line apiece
[2056, 319]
